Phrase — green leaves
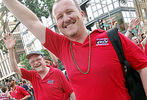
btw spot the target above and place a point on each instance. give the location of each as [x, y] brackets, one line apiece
[24, 62]
[39, 7]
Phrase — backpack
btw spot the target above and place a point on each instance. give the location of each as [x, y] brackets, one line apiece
[132, 78]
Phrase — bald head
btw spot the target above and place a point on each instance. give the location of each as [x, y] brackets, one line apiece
[74, 1]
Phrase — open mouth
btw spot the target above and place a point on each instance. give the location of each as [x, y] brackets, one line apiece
[38, 65]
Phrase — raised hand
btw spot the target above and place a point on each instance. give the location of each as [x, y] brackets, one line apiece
[134, 22]
[9, 41]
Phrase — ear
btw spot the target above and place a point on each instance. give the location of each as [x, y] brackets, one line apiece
[83, 14]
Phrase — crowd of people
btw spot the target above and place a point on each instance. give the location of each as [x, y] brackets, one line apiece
[92, 65]
[14, 90]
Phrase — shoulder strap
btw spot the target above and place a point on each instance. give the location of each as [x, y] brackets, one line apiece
[116, 42]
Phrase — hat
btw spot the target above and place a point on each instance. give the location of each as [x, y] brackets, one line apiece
[34, 53]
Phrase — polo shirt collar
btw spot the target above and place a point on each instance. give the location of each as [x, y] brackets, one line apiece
[87, 38]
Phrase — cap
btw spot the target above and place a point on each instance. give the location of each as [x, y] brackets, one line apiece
[34, 53]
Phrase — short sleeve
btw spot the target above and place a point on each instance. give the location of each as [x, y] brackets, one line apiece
[26, 74]
[65, 84]
[135, 56]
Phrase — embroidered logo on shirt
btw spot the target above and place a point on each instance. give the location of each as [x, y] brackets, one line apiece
[102, 41]
[50, 81]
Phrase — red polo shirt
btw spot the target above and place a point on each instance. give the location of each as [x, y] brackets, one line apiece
[146, 49]
[105, 80]
[54, 86]
[18, 92]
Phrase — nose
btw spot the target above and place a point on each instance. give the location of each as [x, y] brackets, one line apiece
[66, 18]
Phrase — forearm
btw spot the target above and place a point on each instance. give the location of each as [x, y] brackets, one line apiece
[128, 33]
[72, 96]
[26, 97]
[54, 58]
[13, 62]
[143, 75]
[26, 16]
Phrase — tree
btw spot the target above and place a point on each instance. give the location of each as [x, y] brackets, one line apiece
[24, 62]
[39, 7]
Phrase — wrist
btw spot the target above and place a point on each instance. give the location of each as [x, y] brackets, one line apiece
[10, 49]
[130, 29]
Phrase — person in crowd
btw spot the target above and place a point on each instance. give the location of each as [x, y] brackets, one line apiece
[17, 92]
[54, 60]
[50, 62]
[90, 60]
[5, 94]
[26, 87]
[141, 40]
[48, 83]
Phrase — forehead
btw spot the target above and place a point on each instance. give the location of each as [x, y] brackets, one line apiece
[66, 4]
[33, 57]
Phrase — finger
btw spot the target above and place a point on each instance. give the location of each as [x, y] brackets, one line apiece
[6, 35]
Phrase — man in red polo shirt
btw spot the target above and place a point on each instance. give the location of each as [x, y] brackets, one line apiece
[48, 83]
[17, 92]
[91, 62]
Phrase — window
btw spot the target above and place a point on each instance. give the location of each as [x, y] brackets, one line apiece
[128, 15]
[116, 4]
[96, 14]
[110, 7]
[98, 6]
[100, 11]
[144, 13]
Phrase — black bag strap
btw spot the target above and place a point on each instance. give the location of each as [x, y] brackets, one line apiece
[128, 72]
[116, 42]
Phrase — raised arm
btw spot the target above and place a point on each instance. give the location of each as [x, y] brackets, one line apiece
[144, 42]
[54, 58]
[143, 75]
[10, 43]
[27, 17]
[134, 22]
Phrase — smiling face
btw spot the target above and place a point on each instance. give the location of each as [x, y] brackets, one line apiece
[11, 83]
[135, 40]
[37, 62]
[69, 19]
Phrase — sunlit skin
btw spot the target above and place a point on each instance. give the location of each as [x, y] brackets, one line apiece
[12, 84]
[37, 62]
[69, 20]
[135, 40]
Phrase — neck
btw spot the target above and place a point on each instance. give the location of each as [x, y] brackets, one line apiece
[44, 72]
[81, 36]
[13, 86]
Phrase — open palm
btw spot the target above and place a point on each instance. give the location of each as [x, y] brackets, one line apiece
[9, 41]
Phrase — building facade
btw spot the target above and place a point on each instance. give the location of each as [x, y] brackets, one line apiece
[5, 70]
[141, 6]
